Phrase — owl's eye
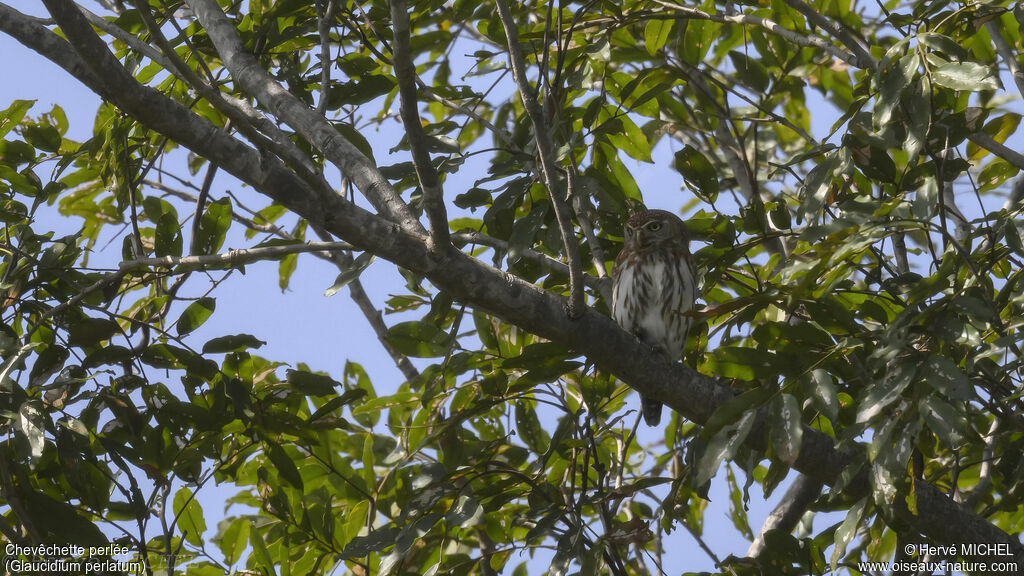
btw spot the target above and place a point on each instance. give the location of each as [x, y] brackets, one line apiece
[654, 226]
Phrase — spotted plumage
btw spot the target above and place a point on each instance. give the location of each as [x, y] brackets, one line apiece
[654, 285]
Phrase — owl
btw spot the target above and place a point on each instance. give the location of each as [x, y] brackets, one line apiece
[653, 286]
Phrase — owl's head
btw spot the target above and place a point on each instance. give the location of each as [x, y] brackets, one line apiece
[655, 229]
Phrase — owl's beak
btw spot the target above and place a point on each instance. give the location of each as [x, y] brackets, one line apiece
[641, 238]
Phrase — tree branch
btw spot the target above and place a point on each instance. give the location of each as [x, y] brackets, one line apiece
[547, 159]
[838, 31]
[549, 263]
[256, 127]
[184, 264]
[594, 335]
[582, 208]
[325, 13]
[992, 145]
[253, 79]
[769, 25]
[1006, 53]
[785, 517]
[343, 260]
[405, 72]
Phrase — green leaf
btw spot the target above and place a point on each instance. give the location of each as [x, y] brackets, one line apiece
[42, 137]
[969, 76]
[285, 270]
[947, 378]
[359, 91]
[48, 363]
[741, 363]
[213, 227]
[465, 512]
[822, 391]
[817, 185]
[361, 263]
[232, 343]
[355, 138]
[787, 430]
[897, 78]
[16, 152]
[874, 162]
[624, 134]
[375, 541]
[190, 516]
[260, 553]
[750, 70]
[283, 462]
[656, 34]
[418, 339]
[943, 44]
[945, 421]
[168, 241]
[529, 428]
[722, 447]
[368, 459]
[333, 404]
[999, 128]
[995, 173]
[734, 408]
[195, 315]
[884, 392]
[846, 531]
[234, 539]
[699, 171]
[92, 331]
[312, 384]
[13, 115]
[31, 422]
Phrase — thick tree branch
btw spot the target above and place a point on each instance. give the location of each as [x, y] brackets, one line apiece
[1006, 53]
[545, 147]
[254, 80]
[785, 517]
[693, 395]
[994, 146]
[405, 72]
[256, 127]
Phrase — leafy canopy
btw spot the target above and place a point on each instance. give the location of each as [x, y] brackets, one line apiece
[861, 291]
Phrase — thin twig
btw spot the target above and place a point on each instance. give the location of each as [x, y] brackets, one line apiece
[582, 209]
[547, 160]
[343, 260]
[253, 79]
[183, 264]
[324, 16]
[770, 26]
[551, 264]
[838, 31]
[250, 122]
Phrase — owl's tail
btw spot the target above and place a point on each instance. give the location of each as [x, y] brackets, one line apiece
[651, 410]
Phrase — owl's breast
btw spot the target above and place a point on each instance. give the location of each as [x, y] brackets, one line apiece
[649, 295]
